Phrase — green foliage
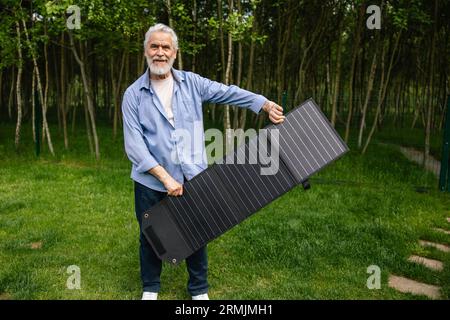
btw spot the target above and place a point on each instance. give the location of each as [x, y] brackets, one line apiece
[407, 13]
[400, 18]
[8, 44]
[184, 25]
[214, 27]
[238, 25]
[56, 8]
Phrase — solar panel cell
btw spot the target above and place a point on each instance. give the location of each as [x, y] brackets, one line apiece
[226, 194]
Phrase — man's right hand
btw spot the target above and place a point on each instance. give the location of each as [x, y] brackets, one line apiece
[174, 188]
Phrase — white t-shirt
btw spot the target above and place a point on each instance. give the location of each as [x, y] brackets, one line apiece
[164, 91]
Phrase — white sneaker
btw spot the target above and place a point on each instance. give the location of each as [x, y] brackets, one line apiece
[203, 296]
[149, 296]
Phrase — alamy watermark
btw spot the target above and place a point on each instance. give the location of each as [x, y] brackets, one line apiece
[374, 280]
[74, 20]
[262, 149]
[74, 280]
[374, 20]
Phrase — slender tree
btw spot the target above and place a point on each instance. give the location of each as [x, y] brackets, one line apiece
[19, 87]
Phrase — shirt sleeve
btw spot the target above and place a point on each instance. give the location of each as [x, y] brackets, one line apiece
[216, 92]
[135, 146]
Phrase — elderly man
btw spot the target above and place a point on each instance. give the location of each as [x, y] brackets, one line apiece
[161, 101]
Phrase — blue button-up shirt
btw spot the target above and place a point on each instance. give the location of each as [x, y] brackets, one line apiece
[151, 140]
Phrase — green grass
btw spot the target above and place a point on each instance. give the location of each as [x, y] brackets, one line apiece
[317, 244]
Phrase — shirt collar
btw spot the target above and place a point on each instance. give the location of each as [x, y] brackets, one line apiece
[145, 79]
[177, 75]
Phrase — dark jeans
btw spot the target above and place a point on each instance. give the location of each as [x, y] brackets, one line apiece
[197, 263]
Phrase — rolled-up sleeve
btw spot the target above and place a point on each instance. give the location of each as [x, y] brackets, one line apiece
[215, 92]
[135, 146]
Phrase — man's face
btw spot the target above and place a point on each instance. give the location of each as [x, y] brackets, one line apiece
[160, 53]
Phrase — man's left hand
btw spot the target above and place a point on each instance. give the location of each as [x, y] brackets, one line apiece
[275, 112]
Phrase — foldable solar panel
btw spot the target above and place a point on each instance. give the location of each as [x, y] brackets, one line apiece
[225, 194]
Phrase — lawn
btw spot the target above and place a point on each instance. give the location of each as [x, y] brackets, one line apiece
[317, 244]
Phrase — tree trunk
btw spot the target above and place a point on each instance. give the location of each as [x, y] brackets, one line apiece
[72, 93]
[222, 52]
[226, 119]
[378, 108]
[88, 95]
[417, 104]
[284, 34]
[368, 95]
[238, 83]
[194, 35]
[45, 128]
[397, 101]
[63, 101]
[239, 74]
[88, 126]
[337, 79]
[383, 88]
[328, 84]
[46, 71]
[169, 12]
[116, 91]
[11, 93]
[221, 38]
[249, 85]
[57, 83]
[141, 63]
[315, 39]
[18, 88]
[429, 112]
[33, 102]
[352, 72]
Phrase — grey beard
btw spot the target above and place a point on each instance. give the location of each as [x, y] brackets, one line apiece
[159, 71]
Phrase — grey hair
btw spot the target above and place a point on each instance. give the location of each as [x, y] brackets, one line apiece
[160, 27]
